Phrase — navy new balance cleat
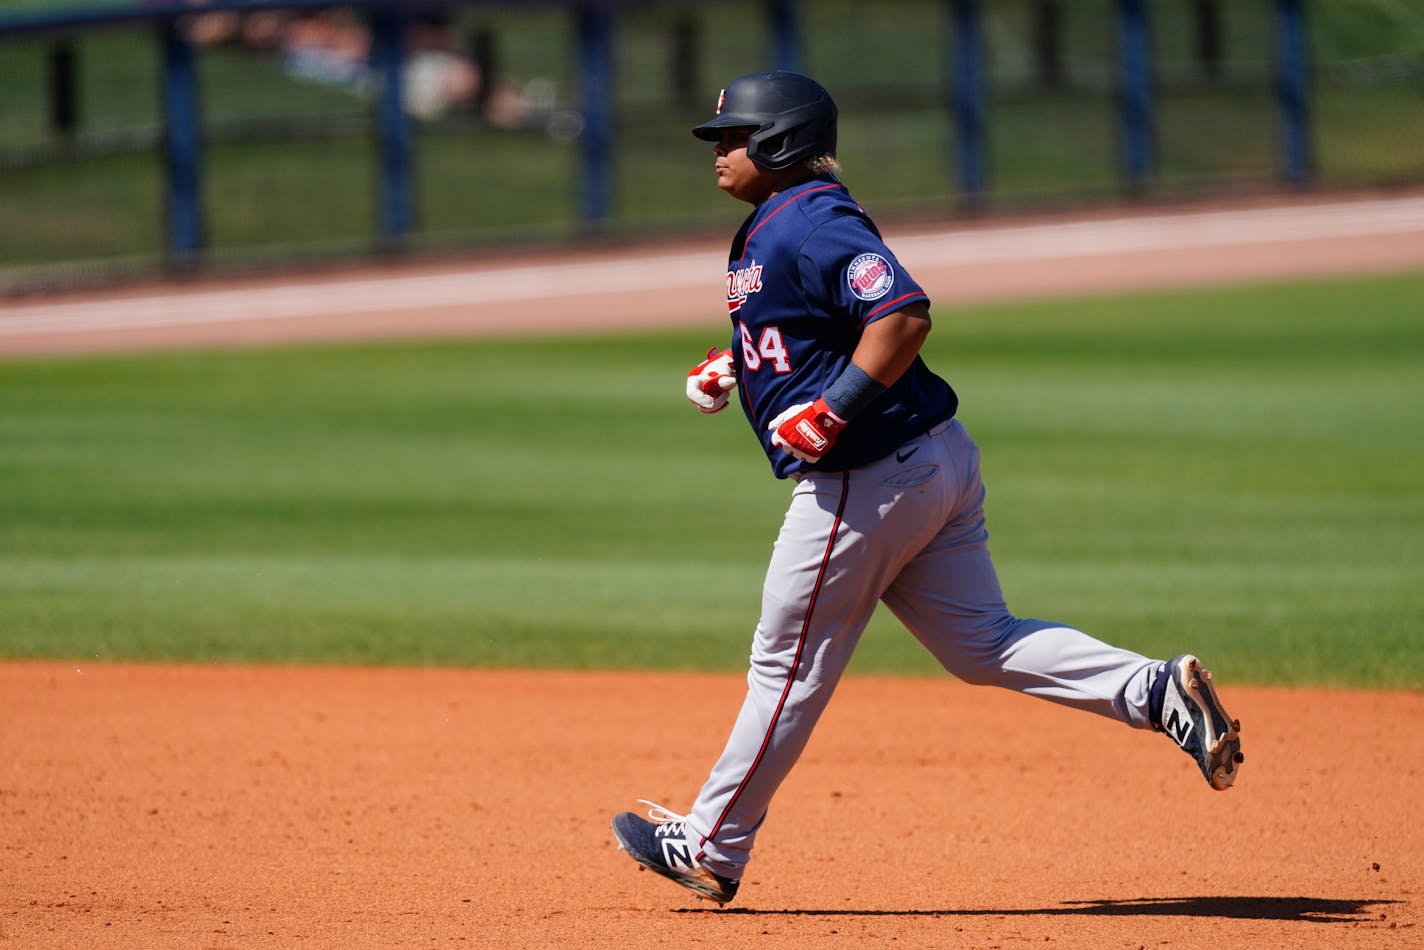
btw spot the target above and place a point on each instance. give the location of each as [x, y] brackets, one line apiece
[662, 845]
[1186, 707]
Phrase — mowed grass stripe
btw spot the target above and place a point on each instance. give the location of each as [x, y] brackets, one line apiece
[1232, 471]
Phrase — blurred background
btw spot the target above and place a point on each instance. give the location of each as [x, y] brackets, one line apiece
[138, 138]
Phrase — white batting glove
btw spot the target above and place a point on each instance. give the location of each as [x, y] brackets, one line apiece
[710, 383]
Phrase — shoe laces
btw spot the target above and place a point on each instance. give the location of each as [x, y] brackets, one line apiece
[668, 821]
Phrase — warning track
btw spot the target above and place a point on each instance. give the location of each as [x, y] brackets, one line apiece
[597, 290]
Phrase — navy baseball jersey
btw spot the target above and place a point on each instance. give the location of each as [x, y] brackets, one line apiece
[808, 272]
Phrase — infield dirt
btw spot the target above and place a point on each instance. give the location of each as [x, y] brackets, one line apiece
[183, 806]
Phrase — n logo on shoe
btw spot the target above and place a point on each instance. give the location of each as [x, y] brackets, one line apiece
[1176, 718]
[677, 854]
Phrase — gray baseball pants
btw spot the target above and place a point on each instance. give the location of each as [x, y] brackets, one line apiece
[907, 530]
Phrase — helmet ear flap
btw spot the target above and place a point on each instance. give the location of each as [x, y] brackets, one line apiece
[794, 136]
[769, 149]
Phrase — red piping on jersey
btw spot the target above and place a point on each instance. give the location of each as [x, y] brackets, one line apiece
[888, 304]
[780, 208]
[795, 663]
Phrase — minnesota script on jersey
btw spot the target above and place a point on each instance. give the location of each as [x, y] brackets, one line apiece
[808, 272]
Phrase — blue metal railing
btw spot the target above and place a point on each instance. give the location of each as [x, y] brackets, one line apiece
[1135, 105]
[182, 147]
[1293, 91]
[967, 99]
[595, 25]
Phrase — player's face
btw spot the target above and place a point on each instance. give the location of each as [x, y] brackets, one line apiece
[737, 174]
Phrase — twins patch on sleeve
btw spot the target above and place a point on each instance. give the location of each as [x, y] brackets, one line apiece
[870, 276]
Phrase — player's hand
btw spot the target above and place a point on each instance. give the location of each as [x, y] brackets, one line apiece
[807, 431]
[710, 384]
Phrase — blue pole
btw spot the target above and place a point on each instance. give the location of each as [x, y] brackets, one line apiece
[396, 183]
[1135, 106]
[785, 34]
[967, 98]
[1293, 91]
[595, 58]
[182, 147]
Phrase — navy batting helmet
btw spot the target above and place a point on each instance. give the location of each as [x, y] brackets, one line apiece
[793, 117]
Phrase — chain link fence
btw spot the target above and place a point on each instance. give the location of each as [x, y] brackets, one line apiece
[289, 139]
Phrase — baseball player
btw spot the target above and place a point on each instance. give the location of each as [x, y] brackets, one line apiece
[887, 503]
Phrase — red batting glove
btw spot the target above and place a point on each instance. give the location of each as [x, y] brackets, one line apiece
[807, 431]
[710, 384]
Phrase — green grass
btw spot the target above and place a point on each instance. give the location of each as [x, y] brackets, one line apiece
[1235, 473]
